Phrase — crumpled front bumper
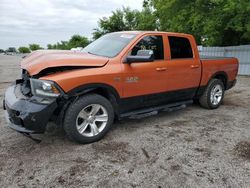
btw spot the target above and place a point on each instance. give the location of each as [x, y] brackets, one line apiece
[26, 114]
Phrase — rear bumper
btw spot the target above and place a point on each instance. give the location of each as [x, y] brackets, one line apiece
[26, 115]
[231, 84]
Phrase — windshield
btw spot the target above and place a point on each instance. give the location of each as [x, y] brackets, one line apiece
[109, 45]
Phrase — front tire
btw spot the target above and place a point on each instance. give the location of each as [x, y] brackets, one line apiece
[213, 94]
[88, 119]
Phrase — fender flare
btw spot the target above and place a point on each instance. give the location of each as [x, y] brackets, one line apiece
[86, 88]
[201, 89]
[220, 73]
[110, 93]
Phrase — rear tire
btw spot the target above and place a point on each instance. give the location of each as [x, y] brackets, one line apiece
[213, 94]
[88, 119]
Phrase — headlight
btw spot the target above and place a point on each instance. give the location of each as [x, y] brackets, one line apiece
[44, 88]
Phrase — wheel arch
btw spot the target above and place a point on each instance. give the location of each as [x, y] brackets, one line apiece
[218, 75]
[105, 90]
[221, 75]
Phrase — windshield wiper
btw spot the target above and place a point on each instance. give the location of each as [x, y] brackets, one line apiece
[93, 53]
[97, 54]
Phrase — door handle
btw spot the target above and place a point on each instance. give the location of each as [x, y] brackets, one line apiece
[161, 69]
[194, 66]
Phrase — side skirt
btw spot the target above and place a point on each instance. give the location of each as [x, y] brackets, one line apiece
[147, 101]
[142, 113]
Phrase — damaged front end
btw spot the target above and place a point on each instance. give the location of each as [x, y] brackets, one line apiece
[30, 104]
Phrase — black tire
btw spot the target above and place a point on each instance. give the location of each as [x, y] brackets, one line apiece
[73, 110]
[205, 100]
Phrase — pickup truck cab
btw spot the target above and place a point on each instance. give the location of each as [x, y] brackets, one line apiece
[122, 74]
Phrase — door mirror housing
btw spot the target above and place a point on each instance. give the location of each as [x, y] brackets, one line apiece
[141, 57]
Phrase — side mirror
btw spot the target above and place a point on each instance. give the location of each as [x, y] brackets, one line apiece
[141, 56]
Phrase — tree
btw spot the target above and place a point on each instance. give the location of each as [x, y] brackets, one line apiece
[50, 46]
[63, 45]
[24, 49]
[147, 19]
[74, 42]
[78, 41]
[212, 22]
[228, 23]
[120, 20]
[34, 47]
[126, 19]
[11, 49]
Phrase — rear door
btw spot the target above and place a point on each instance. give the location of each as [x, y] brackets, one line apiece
[183, 68]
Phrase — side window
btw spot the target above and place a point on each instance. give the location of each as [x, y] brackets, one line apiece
[154, 43]
[180, 47]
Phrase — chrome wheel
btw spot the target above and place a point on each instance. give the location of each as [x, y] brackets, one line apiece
[216, 94]
[91, 120]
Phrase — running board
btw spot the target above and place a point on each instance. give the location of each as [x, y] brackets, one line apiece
[32, 138]
[138, 114]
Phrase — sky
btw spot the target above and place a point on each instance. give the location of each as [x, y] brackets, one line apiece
[43, 22]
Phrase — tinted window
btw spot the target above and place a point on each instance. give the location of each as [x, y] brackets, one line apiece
[154, 43]
[180, 47]
[109, 45]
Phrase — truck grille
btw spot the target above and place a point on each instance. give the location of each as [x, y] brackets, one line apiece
[25, 86]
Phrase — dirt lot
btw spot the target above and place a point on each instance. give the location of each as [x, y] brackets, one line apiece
[193, 147]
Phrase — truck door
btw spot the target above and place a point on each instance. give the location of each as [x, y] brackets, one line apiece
[183, 68]
[143, 80]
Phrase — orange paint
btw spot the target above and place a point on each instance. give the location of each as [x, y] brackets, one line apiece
[153, 77]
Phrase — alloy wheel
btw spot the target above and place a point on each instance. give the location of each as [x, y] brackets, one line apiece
[92, 120]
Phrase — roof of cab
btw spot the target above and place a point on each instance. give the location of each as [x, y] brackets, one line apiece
[154, 32]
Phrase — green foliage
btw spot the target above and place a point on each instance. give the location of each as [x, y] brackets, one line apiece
[147, 19]
[11, 49]
[120, 20]
[34, 47]
[126, 19]
[212, 22]
[78, 41]
[50, 46]
[24, 49]
[229, 23]
[75, 41]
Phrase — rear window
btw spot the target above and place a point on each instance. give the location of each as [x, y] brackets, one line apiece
[180, 47]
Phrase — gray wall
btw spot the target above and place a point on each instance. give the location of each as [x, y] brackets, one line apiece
[240, 52]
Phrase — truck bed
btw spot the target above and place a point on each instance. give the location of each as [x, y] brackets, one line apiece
[223, 65]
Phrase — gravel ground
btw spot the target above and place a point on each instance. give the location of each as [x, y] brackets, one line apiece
[193, 147]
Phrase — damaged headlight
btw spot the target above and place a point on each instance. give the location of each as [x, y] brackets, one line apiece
[44, 88]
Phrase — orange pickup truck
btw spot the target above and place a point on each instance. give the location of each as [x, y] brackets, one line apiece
[120, 75]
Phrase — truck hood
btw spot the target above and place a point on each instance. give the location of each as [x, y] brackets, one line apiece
[44, 59]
